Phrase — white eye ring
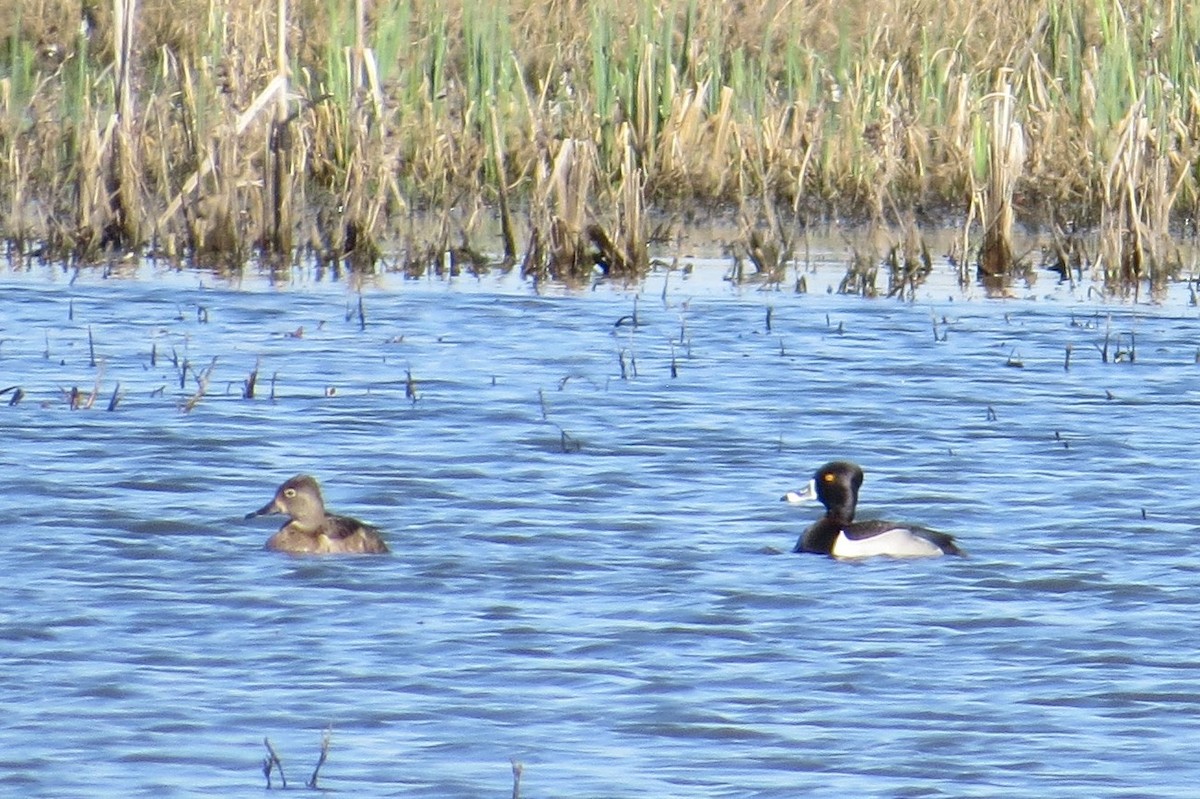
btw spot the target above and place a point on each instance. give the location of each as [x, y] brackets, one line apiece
[289, 493]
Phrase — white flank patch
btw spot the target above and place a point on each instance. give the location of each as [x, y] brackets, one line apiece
[896, 543]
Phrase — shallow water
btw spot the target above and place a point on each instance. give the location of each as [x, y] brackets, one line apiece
[591, 575]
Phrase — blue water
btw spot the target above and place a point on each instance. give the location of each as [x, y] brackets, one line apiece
[592, 575]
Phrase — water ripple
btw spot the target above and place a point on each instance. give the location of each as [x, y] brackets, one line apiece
[591, 575]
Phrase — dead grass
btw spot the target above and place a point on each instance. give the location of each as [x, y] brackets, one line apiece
[221, 132]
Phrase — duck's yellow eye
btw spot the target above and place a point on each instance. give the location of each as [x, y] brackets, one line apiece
[289, 493]
[829, 477]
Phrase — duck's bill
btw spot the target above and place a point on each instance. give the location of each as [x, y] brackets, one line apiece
[265, 510]
[806, 494]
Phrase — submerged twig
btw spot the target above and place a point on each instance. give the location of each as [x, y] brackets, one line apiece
[325, 738]
[566, 441]
[248, 386]
[517, 770]
[410, 387]
[630, 319]
[272, 762]
[202, 379]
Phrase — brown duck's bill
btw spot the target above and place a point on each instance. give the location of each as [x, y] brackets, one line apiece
[266, 510]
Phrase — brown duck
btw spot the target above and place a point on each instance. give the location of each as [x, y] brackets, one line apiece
[310, 530]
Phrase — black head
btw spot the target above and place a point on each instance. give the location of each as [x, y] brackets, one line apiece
[836, 485]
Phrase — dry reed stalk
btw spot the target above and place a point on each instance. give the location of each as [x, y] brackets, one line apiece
[1065, 255]
[279, 244]
[861, 275]
[83, 240]
[15, 172]
[993, 201]
[803, 127]
[558, 243]
[767, 246]
[506, 225]
[958, 149]
[1139, 193]
[644, 118]
[568, 241]
[369, 182]
[632, 259]
[122, 229]
[722, 127]
[909, 262]
[277, 86]
[683, 139]
[571, 181]
[905, 255]
[364, 69]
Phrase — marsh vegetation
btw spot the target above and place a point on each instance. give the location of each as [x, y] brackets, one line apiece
[566, 136]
